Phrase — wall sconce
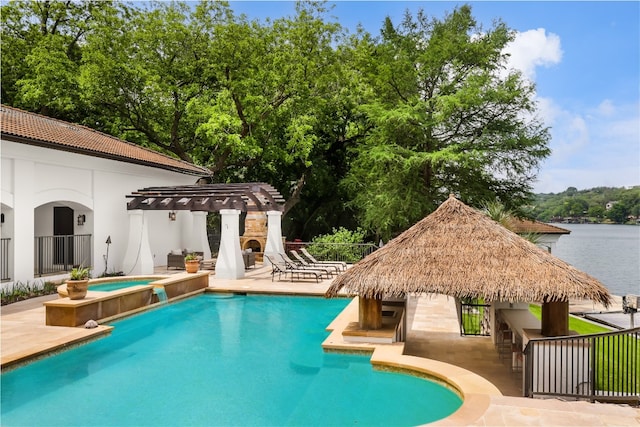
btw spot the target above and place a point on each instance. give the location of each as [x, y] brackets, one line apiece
[172, 216]
[81, 219]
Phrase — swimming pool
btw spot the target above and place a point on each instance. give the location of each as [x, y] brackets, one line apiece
[245, 360]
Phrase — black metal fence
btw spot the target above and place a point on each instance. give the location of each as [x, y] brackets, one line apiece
[59, 254]
[4, 259]
[598, 367]
[345, 252]
[474, 317]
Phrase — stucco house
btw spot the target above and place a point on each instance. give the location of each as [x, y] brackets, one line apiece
[64, 189]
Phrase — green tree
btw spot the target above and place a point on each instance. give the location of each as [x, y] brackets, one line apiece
[447, 118]
[279, 82]
[42, 51]
[618, 213]
[574, 202]
[576, 207]
[142, 71]
[596, 211]
[342, 244]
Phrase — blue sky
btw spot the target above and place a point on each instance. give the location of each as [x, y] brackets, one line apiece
[584, 58]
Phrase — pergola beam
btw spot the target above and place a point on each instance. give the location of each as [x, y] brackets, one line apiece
[255, 196]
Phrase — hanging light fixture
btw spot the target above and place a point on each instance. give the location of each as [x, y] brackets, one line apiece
[172, 216]
[81, 219]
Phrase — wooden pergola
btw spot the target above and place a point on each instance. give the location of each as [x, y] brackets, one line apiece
[230, 200]
[246, 197]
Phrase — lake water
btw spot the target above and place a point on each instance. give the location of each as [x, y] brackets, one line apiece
[610, 253]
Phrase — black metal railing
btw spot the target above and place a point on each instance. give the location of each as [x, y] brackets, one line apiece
[345, 252]
[598, 367]
[474, 317]
[59, 254]
[4, 259]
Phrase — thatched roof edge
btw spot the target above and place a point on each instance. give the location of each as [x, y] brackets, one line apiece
[461, 252]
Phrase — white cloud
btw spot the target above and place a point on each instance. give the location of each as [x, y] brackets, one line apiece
[534, 48]
[593, 148]
[606, 108]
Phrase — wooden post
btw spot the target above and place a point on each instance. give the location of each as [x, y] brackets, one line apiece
[370, 313]
[555, 318]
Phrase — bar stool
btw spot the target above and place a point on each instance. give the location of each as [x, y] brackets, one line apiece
[504, 341]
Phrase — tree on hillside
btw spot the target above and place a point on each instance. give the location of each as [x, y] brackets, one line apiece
[447, 118]
[590, 203]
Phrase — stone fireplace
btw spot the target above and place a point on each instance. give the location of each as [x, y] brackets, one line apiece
[255, 233]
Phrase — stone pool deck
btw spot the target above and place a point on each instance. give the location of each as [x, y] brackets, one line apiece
[433, 344]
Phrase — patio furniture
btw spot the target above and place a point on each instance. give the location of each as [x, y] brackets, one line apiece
[330, 267]
[249, 259]
[208, 264]
[341, 264]
[295, 265]
[175, 258]
[282, 269]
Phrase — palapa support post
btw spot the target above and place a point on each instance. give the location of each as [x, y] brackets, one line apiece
[555, 318]
[370, 310]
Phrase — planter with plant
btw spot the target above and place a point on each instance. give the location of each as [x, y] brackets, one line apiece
[78, 283]
[191, 263]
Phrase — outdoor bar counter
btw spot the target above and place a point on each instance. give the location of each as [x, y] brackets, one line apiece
[520, 319]
[524, 326]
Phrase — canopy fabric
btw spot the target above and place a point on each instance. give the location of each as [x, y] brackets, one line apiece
[461, 252]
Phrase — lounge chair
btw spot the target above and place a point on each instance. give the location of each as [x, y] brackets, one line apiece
[281, 268]
[342, 265]
[295, 265]
[333, 268]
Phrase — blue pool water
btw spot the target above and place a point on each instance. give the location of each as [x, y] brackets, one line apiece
[206, 361]
[112, 286]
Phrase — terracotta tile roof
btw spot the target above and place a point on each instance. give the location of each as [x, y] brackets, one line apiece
[30, 128]
[521, 226]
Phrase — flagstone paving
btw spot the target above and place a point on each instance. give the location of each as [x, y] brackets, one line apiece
[433, 337]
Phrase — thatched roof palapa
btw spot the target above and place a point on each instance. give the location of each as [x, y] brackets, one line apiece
[461, 252]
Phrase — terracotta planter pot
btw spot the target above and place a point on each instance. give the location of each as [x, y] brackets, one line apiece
[77, 289]
[192, 266]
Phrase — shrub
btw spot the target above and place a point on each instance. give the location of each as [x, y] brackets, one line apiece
[22, 291]
[79, 273]
[342, 244]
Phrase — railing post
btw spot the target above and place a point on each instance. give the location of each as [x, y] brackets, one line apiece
[4, 258]
[528, 369]
[39, 244]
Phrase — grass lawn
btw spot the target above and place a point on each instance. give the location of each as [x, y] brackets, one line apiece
[472, 320]
[582, 327]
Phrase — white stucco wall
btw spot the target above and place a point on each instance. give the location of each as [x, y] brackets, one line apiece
[35, 179]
